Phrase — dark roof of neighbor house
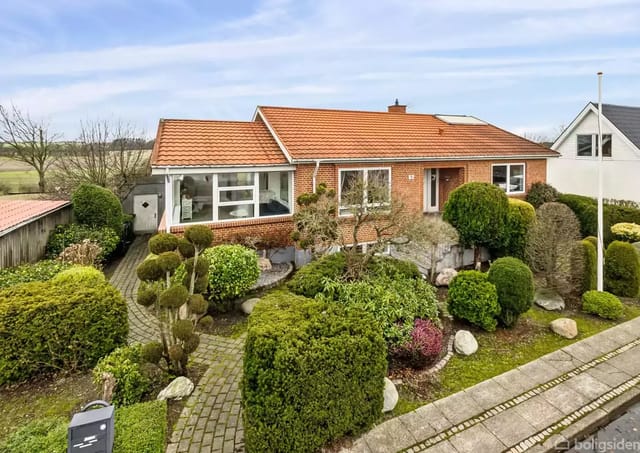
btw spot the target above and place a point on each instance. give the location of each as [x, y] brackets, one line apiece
[626, 119]
[16, 213]
[310, 134]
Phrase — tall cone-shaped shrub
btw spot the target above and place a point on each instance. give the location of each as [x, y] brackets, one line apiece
[172, 279]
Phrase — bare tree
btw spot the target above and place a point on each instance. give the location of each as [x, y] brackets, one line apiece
[29, 141]
[109, 154]
[427, 234]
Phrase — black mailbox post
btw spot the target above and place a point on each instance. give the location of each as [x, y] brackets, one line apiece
[91, 431]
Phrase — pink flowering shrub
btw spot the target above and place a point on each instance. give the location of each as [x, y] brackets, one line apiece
[423, 347]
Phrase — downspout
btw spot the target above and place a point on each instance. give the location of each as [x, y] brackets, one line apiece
[168, 195]
[315, 174]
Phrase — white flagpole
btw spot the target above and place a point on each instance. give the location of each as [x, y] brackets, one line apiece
[600, 206]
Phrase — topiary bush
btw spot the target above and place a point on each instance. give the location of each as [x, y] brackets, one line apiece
[423, 346]
[97, 207]
[85, 275]
[124, 364]
[474, 298]
[540, 193]
[313, 372]
[628, 232]
[514, 283]
[593, 240]
[381, 266]
[585, 209]
[308, 280]
[622, 269]
[233, 270]
[37, 272]
[590, 265]
[65, 235]
[603, 304]
[520, 218]
[51, 327]
[393, 302]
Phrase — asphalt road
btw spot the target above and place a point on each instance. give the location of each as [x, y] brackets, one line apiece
[620, 436]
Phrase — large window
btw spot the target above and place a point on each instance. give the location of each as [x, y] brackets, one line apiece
[372, 184]
[509, 177]
[231, 196]
[588, 145]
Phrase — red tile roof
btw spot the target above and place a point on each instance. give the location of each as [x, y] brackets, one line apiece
[16, 212]
[346, 134]
[214, 143]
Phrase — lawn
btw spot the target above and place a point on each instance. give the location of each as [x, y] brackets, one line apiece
[504, 350]
[18, 181]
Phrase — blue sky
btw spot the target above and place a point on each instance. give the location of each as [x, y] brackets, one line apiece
[527, 66]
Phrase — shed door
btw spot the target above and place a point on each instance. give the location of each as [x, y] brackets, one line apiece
[145, 208]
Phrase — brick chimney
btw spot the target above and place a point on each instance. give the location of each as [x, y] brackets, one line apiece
[397, 108]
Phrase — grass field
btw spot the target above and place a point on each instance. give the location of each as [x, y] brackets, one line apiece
[17, 177]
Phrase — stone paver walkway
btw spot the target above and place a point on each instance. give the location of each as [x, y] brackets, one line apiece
[559, 397]
[211, 420]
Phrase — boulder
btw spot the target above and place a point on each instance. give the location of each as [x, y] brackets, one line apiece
[390, 396]
[445, 277]
[248, 305]
[549, 299]
[264, 264]
[465, 343]
[565, 327]
[177, 389]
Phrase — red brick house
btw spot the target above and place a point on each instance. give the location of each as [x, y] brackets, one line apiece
[242, 178]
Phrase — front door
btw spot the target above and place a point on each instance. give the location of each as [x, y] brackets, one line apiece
[145, 208]
[431, 192]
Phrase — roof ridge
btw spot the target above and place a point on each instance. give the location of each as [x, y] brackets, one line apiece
[320, 109]
[615, 105]
[206, 121]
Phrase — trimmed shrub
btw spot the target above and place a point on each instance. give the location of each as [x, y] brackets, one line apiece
[628, 232]
[309, 279]
[233, 270]
[124, 364]
[593, 240]
[380, 266]
[590, 265]
[622, 269]
[474, 298]
[25, 273]
[394, 303]
[541, 193]
[520, 217]
[313, 372]
[97, 207]
[423, 346]
[603, 304]
[65, 235]
[86, 253]
[85, 275]
[514, 283]
[138, 428]
[49, 327]
[585, 209]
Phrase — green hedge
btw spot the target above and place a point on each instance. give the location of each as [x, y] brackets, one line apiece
[25, 273]
[603, 304]
[474, 298]
[520, 217]
[65, 235]
[309, 279]
[97, 207]
[313, 372]
[514, 283]
[49, 327]
[140, 428]
[590, 263]
[622, 269]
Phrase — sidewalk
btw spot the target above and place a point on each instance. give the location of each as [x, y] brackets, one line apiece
[561, 396]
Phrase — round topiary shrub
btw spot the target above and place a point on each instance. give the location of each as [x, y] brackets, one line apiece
[541, 193]
[625, 231]
[307, 281]
[603, 304]
[200, 236]
[163, 242]
[173, 297]
[514, 283]
[86, 275]
[622, 269]
[423, 347]
[473, 298]
[97, 207]
[233, 270]
[520, 217]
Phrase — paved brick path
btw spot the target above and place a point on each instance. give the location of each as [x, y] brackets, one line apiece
[550, 401]
[211, 420]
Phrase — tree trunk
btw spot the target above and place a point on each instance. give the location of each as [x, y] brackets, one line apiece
[476, 257]
[41, 181]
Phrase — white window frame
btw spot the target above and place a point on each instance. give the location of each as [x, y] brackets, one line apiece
[365, 177]
[594, 149]
[255, 201]
[507, 189]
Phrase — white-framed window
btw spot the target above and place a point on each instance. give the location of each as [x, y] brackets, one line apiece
[509, 177]
[350, 177]
[587, 145]
[211, 197]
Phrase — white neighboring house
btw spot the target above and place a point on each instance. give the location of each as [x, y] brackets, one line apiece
[576, 170]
